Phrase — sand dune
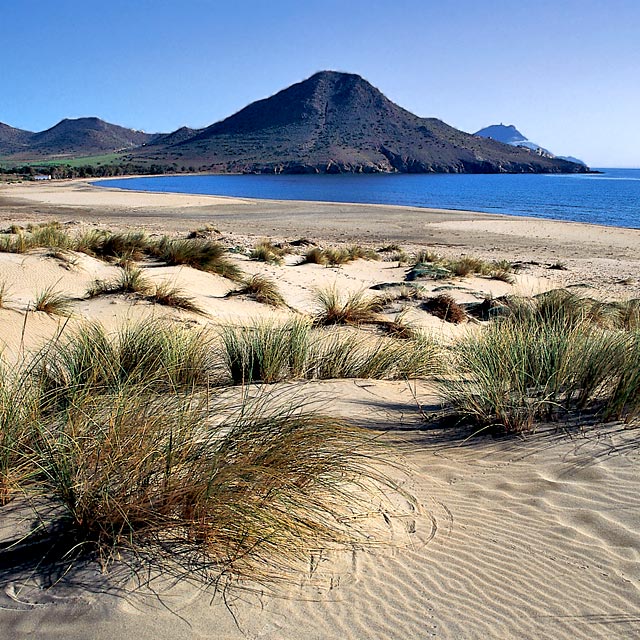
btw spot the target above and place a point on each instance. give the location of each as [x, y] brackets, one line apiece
[527, 538]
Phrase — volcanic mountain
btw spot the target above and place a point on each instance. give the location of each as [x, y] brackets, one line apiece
[83, 137]
[337, 122]
[13, 140]
[508, 134]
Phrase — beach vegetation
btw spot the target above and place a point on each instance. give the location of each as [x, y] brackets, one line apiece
[262, 289]
[201, 254]
[354, 308]
[52, 302]
[266, 251]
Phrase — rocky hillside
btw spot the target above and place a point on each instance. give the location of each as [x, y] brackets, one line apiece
[338, 122]
[508, 134]
[80, 137]
[13, 140]
[330, 123]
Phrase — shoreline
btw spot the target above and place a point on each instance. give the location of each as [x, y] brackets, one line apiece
[601, 257]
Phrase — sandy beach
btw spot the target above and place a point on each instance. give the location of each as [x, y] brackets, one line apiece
[525, 537]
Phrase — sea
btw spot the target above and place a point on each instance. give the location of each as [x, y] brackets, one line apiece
[611, 197]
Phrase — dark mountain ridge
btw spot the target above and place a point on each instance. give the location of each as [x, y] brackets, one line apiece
[331, 122]
[77, 137]
[338, 122]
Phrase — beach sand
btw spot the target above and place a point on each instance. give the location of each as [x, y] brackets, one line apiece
[535, 537]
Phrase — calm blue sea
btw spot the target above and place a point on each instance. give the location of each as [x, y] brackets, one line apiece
[610, 198]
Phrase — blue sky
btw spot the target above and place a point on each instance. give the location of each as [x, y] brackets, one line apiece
[565, 72]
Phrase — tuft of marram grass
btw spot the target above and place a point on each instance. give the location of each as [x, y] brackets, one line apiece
[246, 494]
[89, 361]
[201, 254]
[265, 351]
[130, 280]
[354, 309]
[338, 354]
[262, 289]
[266, 251]
[18, 416]
[540, 365]
[169, 295]
[52, 302]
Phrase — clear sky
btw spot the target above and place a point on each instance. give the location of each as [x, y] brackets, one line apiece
[565, 72]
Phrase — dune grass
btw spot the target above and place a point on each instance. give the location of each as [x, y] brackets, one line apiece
[545, 361]
[436, 267]
[246, 494]
[265, 351]
[142, 464]
[201, 254]
[90, 361]
[266, 251]
[268, 352]
[168, 295]
[353, 309]
[52, 302]
[262, 289]
[130, 280]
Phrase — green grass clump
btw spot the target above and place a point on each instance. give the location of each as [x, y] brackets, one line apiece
[130, 280]
[17, 417]
[261, 289]
[201, 254]
[541, 364]
[354, 309]
[49, 235]
[339, 354]
[89, 361]
[266, 251]
[265, 351]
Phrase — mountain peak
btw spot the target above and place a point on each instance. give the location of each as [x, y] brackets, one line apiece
[506, 133]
